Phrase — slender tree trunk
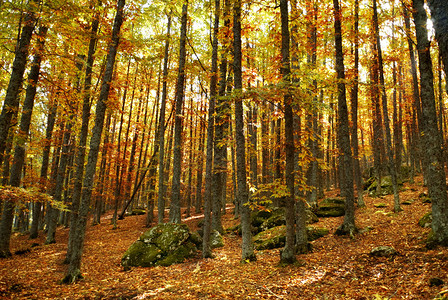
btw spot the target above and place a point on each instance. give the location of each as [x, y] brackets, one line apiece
[243, 197]
[288, 254]
[19, 151]
[392, 167]
[354, 111]
[348, 226]
[431, 138]
[73, 272]
[175, 216]
[161, 194]
[206, 250]
[11, 102]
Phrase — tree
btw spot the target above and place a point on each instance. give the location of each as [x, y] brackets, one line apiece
[206, 249]
[392, 167]
[288, 253]
[19, 151]
[348, 226]
[175, 216]
[431, 138]
[243, 197]
[73, 272]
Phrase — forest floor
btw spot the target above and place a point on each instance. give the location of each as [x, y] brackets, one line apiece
[337, 268]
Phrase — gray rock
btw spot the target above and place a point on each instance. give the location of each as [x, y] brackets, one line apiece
[162, 245]
[383, 251]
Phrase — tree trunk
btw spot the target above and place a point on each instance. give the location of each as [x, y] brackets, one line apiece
[19, 151]
[11, 102]
[161, 194]
[348, 226]
[392, 167]
[73, 272]
[354, 111]
[206, 249]
[175, 216]
[288, 253]
[431, 138]
[243, 197]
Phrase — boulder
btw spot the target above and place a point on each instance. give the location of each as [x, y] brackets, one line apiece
[271, 238]
[137, 211]
[276, 237]
[426, 220]
[383, 251]
[386, 186]
[331, 207]
[162, 245]
[216, 240]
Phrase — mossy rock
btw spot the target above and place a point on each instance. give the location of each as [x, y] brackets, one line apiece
[271, 238]
[330, 210]
[386, 186]
[162, 245]
[196, 239]
[276, 237]
[216, 240]
[137, 211]
[383, 251]
[141, 254]
[258, 217]
[380, 205]
[408, 202]
[335, 200]
[426, 220]
[179, 255]
[315, 233]
[276, 219]
[311, 217]
[172, 236]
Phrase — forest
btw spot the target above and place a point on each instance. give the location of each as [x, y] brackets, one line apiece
[288, 149]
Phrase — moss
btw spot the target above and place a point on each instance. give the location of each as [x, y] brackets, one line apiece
[271, 238]
[330, 210]
[426, 220]
[178, 256]
[172, 236]
[316, 232]
[196, 239]
[141, 254]
[216, 240]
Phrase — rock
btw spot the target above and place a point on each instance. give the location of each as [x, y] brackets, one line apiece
[276, 219]
[276, 237]
[331, 207]
[426, 220]
[141, 254]
[271, 238]
[216, 240]
[311, 217]
[424, 197]
[380, 205]
[383, 251]
[137, 211]
[386, 186]
[435, 281]
[316, 232]
[162, 245]
[408, 202]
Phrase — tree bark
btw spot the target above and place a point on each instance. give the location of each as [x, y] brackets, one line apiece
[288, 253]
[431, 138]
[392, 167]
[161, 194]
[74, 272]
[348, 226]
[206, 249]
[11, 102]
[243, 197]
[19, 151]
[175, 216]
